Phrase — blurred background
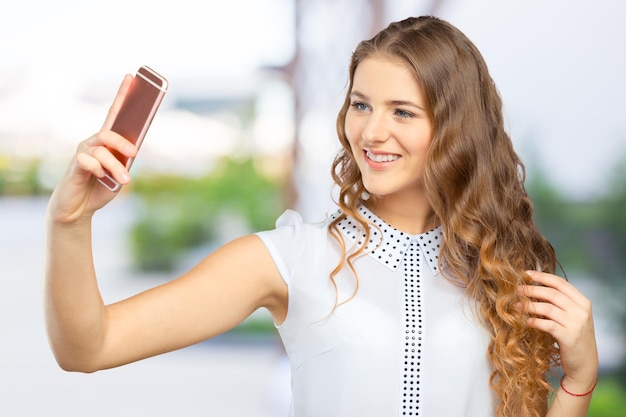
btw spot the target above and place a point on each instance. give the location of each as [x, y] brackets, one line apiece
[246, 131]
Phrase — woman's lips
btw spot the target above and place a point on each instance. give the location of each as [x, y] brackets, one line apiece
[381, 157]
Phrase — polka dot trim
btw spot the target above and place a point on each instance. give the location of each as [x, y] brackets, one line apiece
[388, 245]
[413, 332]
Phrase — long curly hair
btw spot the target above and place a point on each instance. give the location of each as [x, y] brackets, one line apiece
[475, 184]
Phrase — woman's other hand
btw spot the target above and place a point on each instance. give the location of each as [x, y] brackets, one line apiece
[555, 306]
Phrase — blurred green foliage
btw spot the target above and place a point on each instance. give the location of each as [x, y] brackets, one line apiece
[609, 400]
[20, 176]
[176, 213]
[589, 235]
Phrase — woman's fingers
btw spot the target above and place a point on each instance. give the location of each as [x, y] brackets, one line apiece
[555, 306]
[552, 300]
[87, 162]
[96, 155]
[559, 284]
[556, 298]
[110, 140]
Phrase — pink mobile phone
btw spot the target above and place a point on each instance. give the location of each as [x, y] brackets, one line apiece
[136, 113]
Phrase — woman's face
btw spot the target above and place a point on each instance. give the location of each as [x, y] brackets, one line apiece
[388, 128]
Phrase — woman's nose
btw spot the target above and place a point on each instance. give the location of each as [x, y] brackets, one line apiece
[375, 129]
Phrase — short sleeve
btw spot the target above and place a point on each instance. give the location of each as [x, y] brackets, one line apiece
[286, 242]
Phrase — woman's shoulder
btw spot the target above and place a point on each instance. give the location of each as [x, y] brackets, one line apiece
[296, 242]
[294, 233]
[292, 221]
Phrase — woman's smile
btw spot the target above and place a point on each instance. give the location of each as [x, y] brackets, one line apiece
[380, 159]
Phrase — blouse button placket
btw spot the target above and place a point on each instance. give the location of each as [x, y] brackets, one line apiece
[413, 332]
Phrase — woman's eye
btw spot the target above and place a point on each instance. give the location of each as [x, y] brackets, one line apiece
[359, 106]
[403, 114]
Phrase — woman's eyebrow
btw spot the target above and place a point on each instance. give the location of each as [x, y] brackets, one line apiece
[356, 94]
[361, 96]
[405, 103]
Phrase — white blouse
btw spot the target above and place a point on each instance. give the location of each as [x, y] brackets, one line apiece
[406, 344]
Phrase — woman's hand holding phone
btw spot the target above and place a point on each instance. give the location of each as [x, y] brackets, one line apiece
[108, 155]
[78, 195]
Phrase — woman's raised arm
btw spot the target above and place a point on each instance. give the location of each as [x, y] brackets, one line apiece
[87, 335]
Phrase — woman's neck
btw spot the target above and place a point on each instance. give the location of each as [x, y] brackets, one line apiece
[413, 216]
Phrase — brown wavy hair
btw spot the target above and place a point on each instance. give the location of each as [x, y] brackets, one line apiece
[475, 184]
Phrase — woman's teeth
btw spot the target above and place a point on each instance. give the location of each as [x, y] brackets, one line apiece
[381, 157]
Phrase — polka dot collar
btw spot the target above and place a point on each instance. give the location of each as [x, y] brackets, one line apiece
[387, 244]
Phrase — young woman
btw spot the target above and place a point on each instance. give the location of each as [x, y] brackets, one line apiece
[429, 292]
